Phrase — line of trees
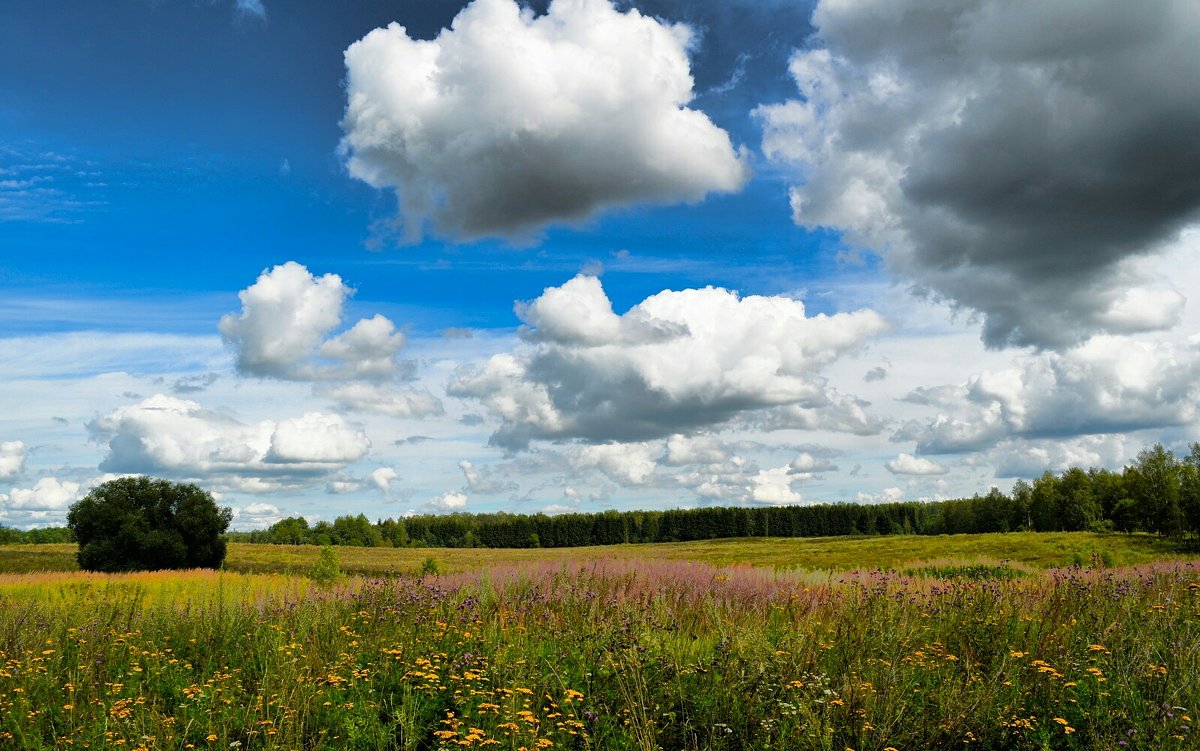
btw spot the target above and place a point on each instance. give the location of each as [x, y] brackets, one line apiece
[40, 536]
[1159, 493]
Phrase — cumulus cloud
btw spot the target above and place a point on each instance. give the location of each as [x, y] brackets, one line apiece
[700, 449]
[285, 330]
[1018, 159]
[508, 121]
[449, 501]
[1030, 458]
[887, 495]
[774, 486]
[907, 464]
[44, 504]
[12, 459]
[1109, 385]
[179, 438]
[47, 494]
[623, 463]
[382, 478]
[257, 515]
[288, 329]
[808, 463]
[316, 438]
[674, 363]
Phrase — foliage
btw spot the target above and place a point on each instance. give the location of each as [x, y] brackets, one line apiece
[326, 569]
[140, 523]
[37, 536]
[429, 567]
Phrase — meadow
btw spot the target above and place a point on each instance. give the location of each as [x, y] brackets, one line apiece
[990, 642]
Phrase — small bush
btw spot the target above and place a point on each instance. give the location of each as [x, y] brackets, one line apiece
[326, 569]
[429, 567]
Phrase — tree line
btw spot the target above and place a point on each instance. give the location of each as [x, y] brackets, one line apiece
[1158, 493]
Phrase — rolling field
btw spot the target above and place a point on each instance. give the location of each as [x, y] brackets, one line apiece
[966, 643]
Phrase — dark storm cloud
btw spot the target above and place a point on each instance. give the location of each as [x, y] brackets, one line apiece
[1016, 159]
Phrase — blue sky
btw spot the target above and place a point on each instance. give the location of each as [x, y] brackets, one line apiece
[582, 256]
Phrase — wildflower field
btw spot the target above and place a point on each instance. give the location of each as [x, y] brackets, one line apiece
[611, 652]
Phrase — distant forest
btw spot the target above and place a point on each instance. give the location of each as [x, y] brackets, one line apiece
[1159, 493]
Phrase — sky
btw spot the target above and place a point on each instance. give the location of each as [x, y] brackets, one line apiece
[431, 257]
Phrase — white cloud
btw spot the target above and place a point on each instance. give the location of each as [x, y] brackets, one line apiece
[339, 485]
[676, 362]
[449, 501]
[12, 459]
[774, 486]
[285, 317]
[1016, 158]
[179, 438]
[807, 463]
[257, 515]
[1028, 459]
[701, 449]
[907, 464]
[887, 495]
[508, 121]
[317, 438]
[284, 331]
[382, 478]
[623, 463]
[48, 494]
[1108, 385]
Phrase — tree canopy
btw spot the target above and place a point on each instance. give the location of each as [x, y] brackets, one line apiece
[141, 523]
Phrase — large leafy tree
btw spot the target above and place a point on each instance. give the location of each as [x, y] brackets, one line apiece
[1154, 483]
[141, 523]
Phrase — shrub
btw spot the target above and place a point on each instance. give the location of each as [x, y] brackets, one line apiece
[326, 569]
[429, 567]
[140, 523]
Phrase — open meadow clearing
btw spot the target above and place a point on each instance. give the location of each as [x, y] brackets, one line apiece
[607, 652]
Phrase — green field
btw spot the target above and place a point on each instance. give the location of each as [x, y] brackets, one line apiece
[868, 644]
[1031, 549]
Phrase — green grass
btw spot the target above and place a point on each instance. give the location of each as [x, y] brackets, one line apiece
[611, 655]
[1028, 549]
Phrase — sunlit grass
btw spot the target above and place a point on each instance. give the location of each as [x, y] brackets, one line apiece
[609, 653]
[1036, 550]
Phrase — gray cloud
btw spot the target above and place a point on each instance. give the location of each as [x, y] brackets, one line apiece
[507, 121]
[1015, 158]
[194, 383]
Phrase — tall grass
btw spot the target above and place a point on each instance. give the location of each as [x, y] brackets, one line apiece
[604, 654]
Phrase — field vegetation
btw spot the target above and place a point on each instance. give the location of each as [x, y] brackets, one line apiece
[1022, 549]
[925, 643]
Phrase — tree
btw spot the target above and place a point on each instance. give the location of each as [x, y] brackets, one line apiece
[289, 531]
[141, 523]
[1077, 509]
[1154, 483]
